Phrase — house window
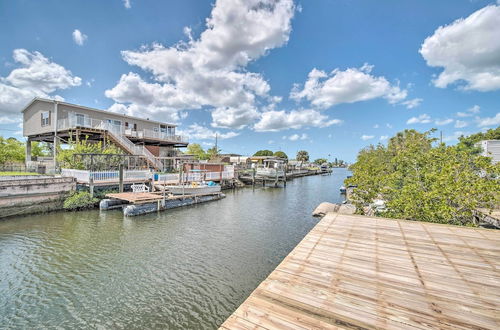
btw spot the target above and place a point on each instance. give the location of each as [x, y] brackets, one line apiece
[80, 119]
[45, 118]
[115, 122]
[135, 127]
[126, 124]
[155, 129]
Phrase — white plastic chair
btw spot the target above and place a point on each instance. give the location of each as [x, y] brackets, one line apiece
[137, 188]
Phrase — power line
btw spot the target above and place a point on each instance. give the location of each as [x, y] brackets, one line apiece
[6, 129]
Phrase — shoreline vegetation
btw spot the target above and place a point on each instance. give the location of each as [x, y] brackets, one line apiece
[417, 177]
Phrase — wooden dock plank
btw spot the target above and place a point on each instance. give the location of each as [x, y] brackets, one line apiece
[360, 272]
[151, 197]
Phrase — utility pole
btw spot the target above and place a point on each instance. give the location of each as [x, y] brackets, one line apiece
[216, 147]
[441, 136]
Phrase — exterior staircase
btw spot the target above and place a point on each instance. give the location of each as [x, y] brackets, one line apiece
[123, 142]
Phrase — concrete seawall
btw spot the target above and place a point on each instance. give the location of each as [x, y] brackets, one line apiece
[27, 195]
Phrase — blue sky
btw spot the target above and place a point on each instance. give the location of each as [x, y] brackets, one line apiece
[326, 76]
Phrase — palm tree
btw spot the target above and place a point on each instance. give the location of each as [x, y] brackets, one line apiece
[303, 156]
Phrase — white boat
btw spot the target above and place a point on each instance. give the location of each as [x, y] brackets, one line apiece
[193, 189]
[271, 168]
[269, 172]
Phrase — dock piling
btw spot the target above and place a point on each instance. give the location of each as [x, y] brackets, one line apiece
[120, 184]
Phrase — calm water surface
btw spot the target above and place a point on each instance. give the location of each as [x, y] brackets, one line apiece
[183, 268]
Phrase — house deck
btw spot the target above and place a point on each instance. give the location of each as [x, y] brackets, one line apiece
[361, 272]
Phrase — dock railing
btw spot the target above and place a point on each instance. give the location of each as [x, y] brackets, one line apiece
[83, 176]
[194, 177]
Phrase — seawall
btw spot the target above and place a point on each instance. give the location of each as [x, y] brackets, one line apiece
[27, 195]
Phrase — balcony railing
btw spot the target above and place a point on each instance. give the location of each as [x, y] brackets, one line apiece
[73, 122]
[147, 133]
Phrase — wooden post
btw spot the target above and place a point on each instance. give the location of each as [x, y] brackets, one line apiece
[91, 186]
[253, 176]
[120, 171]
[28, 151]
[164, 189]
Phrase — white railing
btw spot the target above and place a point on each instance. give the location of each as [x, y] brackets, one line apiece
[146, 153]
[79, 175]
[168, 178]
[195, 177]
[156, 135]
[72, 122]
[83, 176]
[115, 131]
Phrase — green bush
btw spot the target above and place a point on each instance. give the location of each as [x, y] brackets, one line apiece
[79, 201]
[101, 194]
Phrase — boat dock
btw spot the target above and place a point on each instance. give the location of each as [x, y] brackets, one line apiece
[139, 203]
[356, 272]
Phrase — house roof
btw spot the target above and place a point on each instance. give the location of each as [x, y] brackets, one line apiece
[93, 109]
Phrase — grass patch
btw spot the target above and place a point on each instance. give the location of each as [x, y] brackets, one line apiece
[17, 173]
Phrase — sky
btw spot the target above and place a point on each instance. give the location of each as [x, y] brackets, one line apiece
[326, 76]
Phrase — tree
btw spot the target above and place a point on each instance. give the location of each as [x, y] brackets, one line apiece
[198, 152]
[11, 150]
[263, 153]
[213, 152]
[280, 154]
[65, 157]
[420, 181]
[39, 149]
[320, 161]
[303, 156]
[468, 142]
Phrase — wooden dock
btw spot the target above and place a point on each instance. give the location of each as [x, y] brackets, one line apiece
[151, 197]
[136, 198]
[355, 272]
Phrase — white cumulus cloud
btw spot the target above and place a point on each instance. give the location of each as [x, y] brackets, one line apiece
[198, 132]
[460, 124]
[280, 120]
[296, 137]
[234, 117]
[470, 112]
[210, 71]
[79, 38]
[489, 121]
[35, 76]
[324, 90]
[468, 50]
[384, 137]
[127, 4]
[441, 122]
[422, 119]
[413, 103]
[367, 137]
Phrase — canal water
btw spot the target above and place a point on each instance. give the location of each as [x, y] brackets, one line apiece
[186, 268]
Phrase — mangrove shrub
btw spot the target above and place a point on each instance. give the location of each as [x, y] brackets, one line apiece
[422, 181]
[79, 201]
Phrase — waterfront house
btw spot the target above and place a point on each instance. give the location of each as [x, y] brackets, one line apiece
[58, 122]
